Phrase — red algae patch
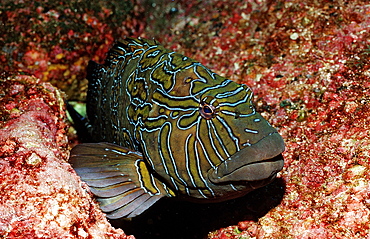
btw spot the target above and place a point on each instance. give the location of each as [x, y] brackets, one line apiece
[40, 194]
[54, 40]
[308, 64]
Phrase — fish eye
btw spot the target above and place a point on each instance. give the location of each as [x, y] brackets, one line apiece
[207, 111]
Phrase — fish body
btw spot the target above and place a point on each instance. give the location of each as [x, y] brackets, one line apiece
[170, 127]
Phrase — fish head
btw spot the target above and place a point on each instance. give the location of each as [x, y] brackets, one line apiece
[249, 147]
[205, 139]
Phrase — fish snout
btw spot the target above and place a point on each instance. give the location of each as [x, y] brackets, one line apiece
[256, 162]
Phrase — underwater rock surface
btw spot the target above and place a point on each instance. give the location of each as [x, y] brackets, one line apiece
[40, 194]
[308, 64]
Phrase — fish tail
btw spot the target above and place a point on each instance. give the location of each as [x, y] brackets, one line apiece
[118, 177]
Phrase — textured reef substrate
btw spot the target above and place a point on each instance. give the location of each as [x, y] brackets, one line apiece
[307, 62]
[40, 194]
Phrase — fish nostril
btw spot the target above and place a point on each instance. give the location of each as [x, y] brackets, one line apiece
[237, 115]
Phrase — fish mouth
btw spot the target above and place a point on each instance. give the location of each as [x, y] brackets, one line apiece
[257, 162]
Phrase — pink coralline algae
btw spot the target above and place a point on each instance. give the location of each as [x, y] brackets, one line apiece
[308, 64]
[55, 40]
[40, 195]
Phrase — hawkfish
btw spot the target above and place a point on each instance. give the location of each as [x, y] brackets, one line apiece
[161, 124]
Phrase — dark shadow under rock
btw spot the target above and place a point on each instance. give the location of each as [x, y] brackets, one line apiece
[170, 218]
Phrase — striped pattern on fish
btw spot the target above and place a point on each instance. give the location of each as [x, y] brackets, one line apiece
[194, 134]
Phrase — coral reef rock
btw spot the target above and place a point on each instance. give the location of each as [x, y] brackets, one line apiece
[40, 194]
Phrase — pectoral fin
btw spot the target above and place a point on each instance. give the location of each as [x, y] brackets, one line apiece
[119, 177]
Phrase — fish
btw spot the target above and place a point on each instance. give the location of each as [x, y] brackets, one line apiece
[161, 124]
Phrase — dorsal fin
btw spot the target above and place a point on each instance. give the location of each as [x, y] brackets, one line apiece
[119, 177]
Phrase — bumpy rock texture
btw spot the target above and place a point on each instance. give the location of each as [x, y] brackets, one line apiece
[308, 63]
[40, 194]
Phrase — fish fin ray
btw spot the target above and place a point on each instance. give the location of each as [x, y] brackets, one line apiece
[134, 207]
[143, 206]
[119, 177]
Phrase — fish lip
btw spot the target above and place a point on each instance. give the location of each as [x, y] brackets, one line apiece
[259, 161]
